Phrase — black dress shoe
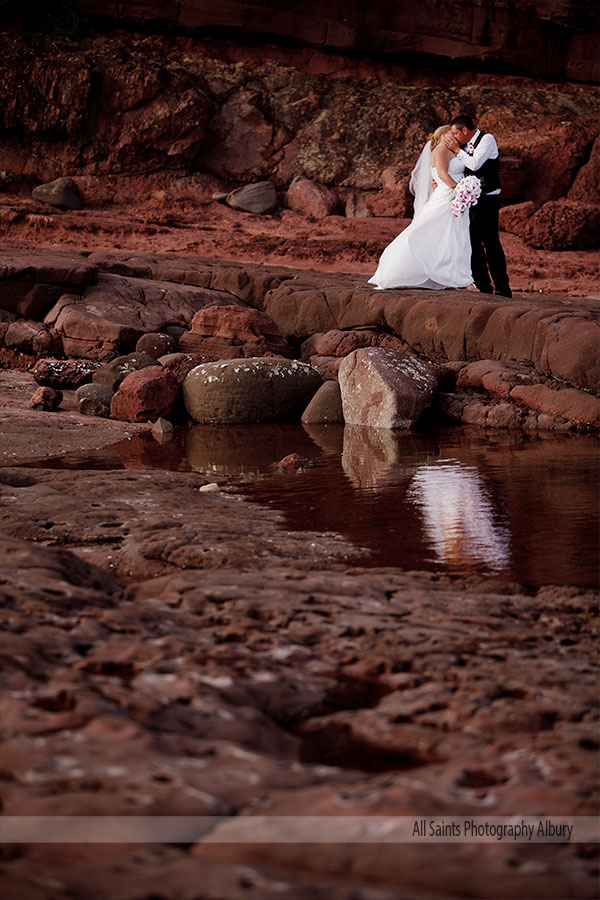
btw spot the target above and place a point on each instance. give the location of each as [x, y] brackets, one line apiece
[507, 293]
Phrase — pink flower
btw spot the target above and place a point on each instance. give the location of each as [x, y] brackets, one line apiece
[466, 194]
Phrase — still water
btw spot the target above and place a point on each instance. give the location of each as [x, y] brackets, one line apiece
[456, 501]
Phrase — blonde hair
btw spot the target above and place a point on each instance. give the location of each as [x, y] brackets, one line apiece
[436, 137]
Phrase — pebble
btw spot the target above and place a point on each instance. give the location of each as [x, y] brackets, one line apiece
[211, 488]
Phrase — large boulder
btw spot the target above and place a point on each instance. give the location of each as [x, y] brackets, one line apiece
[231, 331]
[62, 192]
[145, 395]
[564, 225]
[250, 390]
[311, 199]
[112, 315]
[259, 198]
[384, 388]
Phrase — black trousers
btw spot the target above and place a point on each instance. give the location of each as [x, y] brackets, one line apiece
[487, 255]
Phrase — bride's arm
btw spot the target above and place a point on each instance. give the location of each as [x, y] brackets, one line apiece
[443, 157]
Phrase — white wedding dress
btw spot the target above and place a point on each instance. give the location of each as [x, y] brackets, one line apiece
[435, 250]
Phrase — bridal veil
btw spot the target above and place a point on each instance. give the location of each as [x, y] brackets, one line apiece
[420, 179]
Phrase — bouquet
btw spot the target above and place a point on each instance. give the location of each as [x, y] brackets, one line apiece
[466, 194]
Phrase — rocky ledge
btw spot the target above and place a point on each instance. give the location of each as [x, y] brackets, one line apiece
[529, 362]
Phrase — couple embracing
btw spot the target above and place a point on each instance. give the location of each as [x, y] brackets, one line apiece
[443, 247]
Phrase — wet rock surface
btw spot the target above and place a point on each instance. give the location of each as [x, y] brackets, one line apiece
[205, 662]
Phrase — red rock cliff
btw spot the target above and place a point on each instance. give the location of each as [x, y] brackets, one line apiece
[553, 38]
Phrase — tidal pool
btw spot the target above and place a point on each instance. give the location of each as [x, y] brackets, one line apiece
[453, 500]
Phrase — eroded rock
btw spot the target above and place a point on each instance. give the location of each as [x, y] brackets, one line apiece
[64, 373]
[145, 395]
[227, 332]
[564, 225]
[46, 398]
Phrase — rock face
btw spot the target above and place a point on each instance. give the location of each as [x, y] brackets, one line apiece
[513, 34]
[62, 192]
[30, 283]
[145, 395]
[252, 390]
[227, 332]
[586, 186]
[384, 389]
[564, 225]
[167, 104]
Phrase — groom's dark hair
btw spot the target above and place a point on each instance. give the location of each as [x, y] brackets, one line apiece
[463, 122]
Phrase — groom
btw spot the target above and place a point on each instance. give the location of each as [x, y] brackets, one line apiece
[479, 152]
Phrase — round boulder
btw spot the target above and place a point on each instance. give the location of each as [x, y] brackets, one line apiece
[247, 391]
[309, 198]
[156, 344]
[97, 392]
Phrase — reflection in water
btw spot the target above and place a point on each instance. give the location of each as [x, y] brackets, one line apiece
[243, 451]
[416, 500]
[459, 517]
[373, 457]
[368, 455]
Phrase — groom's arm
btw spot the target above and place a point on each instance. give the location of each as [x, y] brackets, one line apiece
[486, 149]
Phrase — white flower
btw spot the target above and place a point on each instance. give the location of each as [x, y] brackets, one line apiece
[466, 194]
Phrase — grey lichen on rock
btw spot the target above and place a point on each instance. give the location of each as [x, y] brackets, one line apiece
[264, 389]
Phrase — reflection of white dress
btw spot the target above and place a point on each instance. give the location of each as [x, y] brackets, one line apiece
[435, 250]
[459, 517]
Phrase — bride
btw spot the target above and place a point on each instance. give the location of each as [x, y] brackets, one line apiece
[435, 250]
